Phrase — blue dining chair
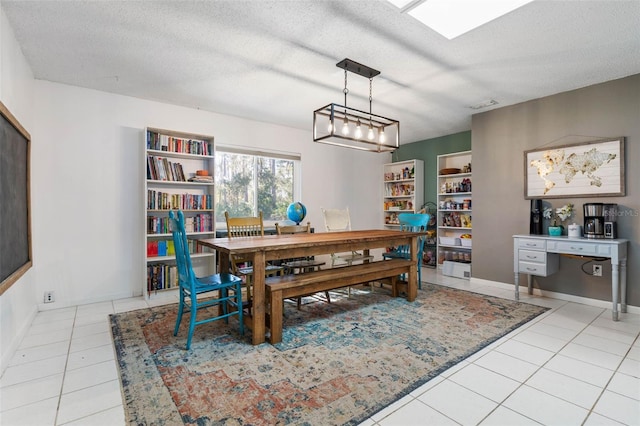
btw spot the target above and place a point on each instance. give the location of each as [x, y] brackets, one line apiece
[411, 222]
[225, 288]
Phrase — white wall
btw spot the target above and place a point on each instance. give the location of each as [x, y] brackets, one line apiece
[18, 303]
[86, 188]
[87, 171]
[87, 179]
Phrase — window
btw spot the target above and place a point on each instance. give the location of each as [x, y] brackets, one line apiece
[248, 182]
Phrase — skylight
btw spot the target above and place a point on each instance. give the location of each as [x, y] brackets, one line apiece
[452, 18]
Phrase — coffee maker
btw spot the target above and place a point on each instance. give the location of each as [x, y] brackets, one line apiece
[610, 221]
[593, 220]
[535, 220]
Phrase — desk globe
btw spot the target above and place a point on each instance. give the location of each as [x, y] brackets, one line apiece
[296, 212]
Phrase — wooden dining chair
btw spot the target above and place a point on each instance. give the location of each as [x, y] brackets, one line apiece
[223, 289]
[244, 227]
[301, 265]
[411, 222]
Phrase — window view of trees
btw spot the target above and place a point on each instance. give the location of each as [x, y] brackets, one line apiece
[248, 184]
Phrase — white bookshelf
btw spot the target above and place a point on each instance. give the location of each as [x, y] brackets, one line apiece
[455, 208]
[403, 189]
[170, 161]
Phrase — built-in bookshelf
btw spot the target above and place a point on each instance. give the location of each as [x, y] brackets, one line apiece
[179, 175]
[454, 214]
[403, 189]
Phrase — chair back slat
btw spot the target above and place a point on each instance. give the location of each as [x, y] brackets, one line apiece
[336, 220]
[250, 226]
[413, 222]
[293, 229]
[181, 246]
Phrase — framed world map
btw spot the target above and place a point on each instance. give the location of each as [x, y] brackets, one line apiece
[578, 170]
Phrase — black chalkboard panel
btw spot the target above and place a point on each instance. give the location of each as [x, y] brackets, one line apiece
[15, 228]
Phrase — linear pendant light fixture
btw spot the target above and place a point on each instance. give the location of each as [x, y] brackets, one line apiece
[341, 125]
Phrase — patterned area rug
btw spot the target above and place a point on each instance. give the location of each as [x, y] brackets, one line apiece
[338, 363]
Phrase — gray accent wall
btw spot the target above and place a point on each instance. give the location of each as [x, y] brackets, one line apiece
[499, 139]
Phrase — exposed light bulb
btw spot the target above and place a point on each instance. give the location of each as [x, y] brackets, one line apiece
[383, 138]
[330, 127]
[358, 133]
[370, 134]
[345, 127]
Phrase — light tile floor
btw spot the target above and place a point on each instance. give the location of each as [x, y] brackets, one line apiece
[571, 365]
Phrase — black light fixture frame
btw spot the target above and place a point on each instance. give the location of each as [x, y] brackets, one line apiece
[388, 129]
[357, 68]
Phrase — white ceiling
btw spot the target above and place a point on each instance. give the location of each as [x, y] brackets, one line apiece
[274, 61]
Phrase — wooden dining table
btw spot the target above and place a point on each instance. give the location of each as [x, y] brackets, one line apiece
[260, 250]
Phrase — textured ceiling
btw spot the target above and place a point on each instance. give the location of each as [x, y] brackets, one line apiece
[274, 61]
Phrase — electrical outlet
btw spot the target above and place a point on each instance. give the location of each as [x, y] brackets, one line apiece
[597, 270]
[48, 297]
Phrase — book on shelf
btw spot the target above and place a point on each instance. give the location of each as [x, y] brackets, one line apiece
[179, 172]
[201, 179]
[157, 225]
[161, 276]
[201, 222]
[163, 165]
[158, 200]
[162, 248]
[173, 277]
[160, 168]
[161, 142]
[152, 248]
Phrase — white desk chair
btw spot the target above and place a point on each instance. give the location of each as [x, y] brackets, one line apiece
[336, 220]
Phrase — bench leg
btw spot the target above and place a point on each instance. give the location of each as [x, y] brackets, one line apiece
[276, 316]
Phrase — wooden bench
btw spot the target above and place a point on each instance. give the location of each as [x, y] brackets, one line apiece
[290, 286]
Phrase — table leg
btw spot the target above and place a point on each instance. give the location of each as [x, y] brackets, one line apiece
[623, 286]
[223, 262]
[275, 317]
[259, 327]
[412, 286]
[517, 285]
[223, 266]
[615, 284]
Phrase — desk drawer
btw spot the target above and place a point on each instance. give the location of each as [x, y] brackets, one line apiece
[532, 256]
[583, 248]
[531, 244]
[540, 269]
[545, 266]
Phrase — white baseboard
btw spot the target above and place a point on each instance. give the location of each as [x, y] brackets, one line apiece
[606, 304]
[86, 301]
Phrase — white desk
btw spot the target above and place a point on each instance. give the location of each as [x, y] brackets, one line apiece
[539, 255]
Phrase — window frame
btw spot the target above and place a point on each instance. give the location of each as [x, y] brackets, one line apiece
[280, 155]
